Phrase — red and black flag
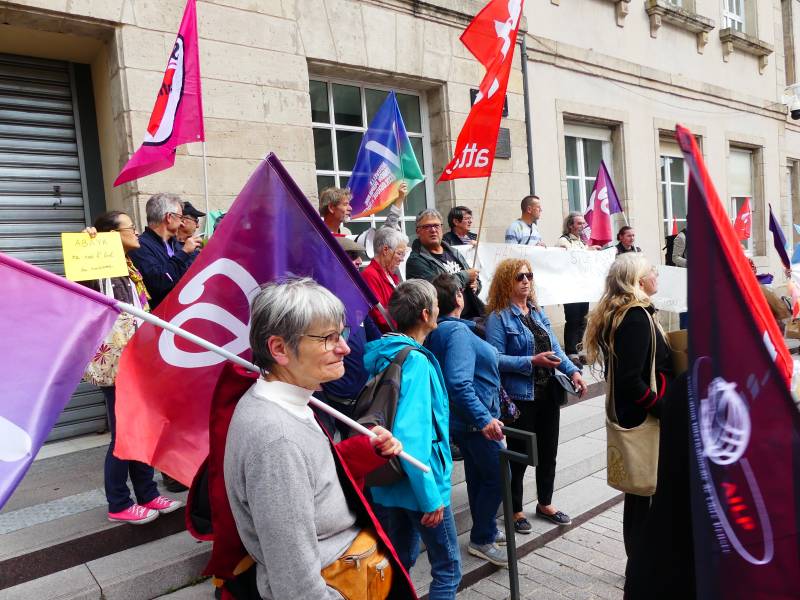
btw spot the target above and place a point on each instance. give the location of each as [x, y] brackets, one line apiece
[745, 428]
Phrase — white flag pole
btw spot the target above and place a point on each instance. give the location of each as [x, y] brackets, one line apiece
[151, 318]
[205, 177]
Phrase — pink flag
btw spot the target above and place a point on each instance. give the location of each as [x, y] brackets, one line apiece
[177, 117]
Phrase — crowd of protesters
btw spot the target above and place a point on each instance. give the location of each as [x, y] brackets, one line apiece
[467, 368]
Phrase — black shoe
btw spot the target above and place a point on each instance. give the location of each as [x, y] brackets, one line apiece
[559, 518]
[455, 453]
[522, 526]
[173, 485]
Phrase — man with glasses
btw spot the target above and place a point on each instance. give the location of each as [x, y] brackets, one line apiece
[162, 259]
[431, 256]
[189, 223]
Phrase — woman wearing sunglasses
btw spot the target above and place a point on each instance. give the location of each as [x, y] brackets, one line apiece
[529, 351]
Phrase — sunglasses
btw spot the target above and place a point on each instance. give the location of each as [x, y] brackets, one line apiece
[521, 276]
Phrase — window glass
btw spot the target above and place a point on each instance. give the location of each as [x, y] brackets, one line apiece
[347, 105]
[409, 109]
[574, 194]
[583, 156]
[325, 181]
[347, 144]
[374, 99]
[593, 154]
[323, 150]
[571, 144]
[319, 101]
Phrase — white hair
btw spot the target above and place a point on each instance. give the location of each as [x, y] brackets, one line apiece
[389, 237]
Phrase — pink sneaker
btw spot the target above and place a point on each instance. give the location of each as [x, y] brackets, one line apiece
[163, 504]
[136, 514]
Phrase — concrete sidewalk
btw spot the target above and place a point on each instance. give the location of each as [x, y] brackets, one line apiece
[585, 563]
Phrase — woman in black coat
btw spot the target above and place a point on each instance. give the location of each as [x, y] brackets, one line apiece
[624, 323]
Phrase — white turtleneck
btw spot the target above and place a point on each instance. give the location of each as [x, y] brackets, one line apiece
[291, 398]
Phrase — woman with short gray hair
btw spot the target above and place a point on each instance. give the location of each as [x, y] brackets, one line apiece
[418, 506]
[390, 246]
[297, 518]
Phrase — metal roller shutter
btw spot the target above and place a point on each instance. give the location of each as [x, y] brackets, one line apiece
[42, 188]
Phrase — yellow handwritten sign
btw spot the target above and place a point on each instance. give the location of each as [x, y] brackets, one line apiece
[93, 258]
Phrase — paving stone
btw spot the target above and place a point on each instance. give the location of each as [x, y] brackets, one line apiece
[595, 541]
[490, 589]
[608, 523]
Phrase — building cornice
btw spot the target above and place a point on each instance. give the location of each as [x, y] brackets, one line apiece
[661, 11]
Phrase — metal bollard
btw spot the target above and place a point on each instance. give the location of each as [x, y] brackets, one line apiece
[506, 456]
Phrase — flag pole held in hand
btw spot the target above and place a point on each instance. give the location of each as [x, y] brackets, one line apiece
[151, 318]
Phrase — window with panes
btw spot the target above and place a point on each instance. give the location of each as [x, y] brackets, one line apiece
[585, 147]
[340, 114]
[733, 12]
[740, 188]
[673, 192]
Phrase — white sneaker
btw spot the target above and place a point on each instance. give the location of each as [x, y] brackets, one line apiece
[489, 552]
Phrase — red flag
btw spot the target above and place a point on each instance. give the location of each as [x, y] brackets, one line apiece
[177, 116]
[165, 384]
[743, 222]
[674, 226]
[491, 37]
[744, 425]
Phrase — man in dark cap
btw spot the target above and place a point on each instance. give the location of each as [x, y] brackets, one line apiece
[189, 222]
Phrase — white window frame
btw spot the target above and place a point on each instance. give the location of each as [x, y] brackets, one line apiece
[748, 244]
[667, 189]
[731, 18]
[581, 133]
[678, 3]
[337, 174]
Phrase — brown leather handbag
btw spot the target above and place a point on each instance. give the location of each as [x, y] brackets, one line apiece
[363, 572]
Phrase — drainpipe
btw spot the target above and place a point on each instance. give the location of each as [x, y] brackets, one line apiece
[528, 121]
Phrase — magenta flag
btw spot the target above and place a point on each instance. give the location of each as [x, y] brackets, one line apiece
[603, 203]
[177, 117]
[745, 428]
[165, 384]
[50, 329]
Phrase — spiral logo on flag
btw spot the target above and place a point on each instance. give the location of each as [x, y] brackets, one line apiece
[162, 119]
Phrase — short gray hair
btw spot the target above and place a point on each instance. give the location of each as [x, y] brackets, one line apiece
[426, 213]
[287, 309]
[409, 300]
[389, 237]
[159, 205]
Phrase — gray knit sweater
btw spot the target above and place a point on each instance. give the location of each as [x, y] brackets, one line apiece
[288, 503]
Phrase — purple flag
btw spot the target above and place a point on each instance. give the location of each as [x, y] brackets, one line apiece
[271, 231]
[745, 428]
[778, 239]
[50, 330]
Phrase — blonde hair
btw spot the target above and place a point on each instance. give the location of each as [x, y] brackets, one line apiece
[503, 284]
[623, 290]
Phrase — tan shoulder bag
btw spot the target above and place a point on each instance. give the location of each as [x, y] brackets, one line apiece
[632, 454]
[363, 572]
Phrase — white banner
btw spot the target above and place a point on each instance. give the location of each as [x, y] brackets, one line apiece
[565, 276]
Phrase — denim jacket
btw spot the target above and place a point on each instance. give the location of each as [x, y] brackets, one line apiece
[506, 332]
[470, 369]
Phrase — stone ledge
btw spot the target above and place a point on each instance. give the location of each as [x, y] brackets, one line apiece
[732, 39]
[621, 11]
[662, 11]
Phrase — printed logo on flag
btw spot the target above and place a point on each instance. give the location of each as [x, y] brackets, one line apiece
[162, 120]
[15, 443]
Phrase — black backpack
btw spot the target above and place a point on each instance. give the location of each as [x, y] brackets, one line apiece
[377, 405]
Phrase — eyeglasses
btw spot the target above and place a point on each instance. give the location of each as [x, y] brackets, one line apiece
[190, 218]
[332, 339]
[430, 226]
[174, 214]
[521, 276]
[132, 228]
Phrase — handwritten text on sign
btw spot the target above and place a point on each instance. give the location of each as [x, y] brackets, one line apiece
[93, 258]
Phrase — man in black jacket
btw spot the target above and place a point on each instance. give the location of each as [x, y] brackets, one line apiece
[161, 259]
[430, 256]
[460, 221]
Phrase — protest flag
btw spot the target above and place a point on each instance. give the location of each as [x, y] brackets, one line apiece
[164, 384]
[778, 239]
[384, 161]
[603, 203]
[744, 425]
[51, 330]
[177, 116]
[674, 226]
[743, 222]
[491, 38]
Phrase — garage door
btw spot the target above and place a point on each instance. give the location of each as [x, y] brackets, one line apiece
[42, 189]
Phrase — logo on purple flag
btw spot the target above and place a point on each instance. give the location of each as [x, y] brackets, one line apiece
[51, 329]
[744, 425]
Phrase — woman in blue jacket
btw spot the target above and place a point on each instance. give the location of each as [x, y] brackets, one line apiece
[529, 351]
[418, 506]
[470, 368]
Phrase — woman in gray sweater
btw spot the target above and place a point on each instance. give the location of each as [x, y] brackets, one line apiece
[294, 513]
